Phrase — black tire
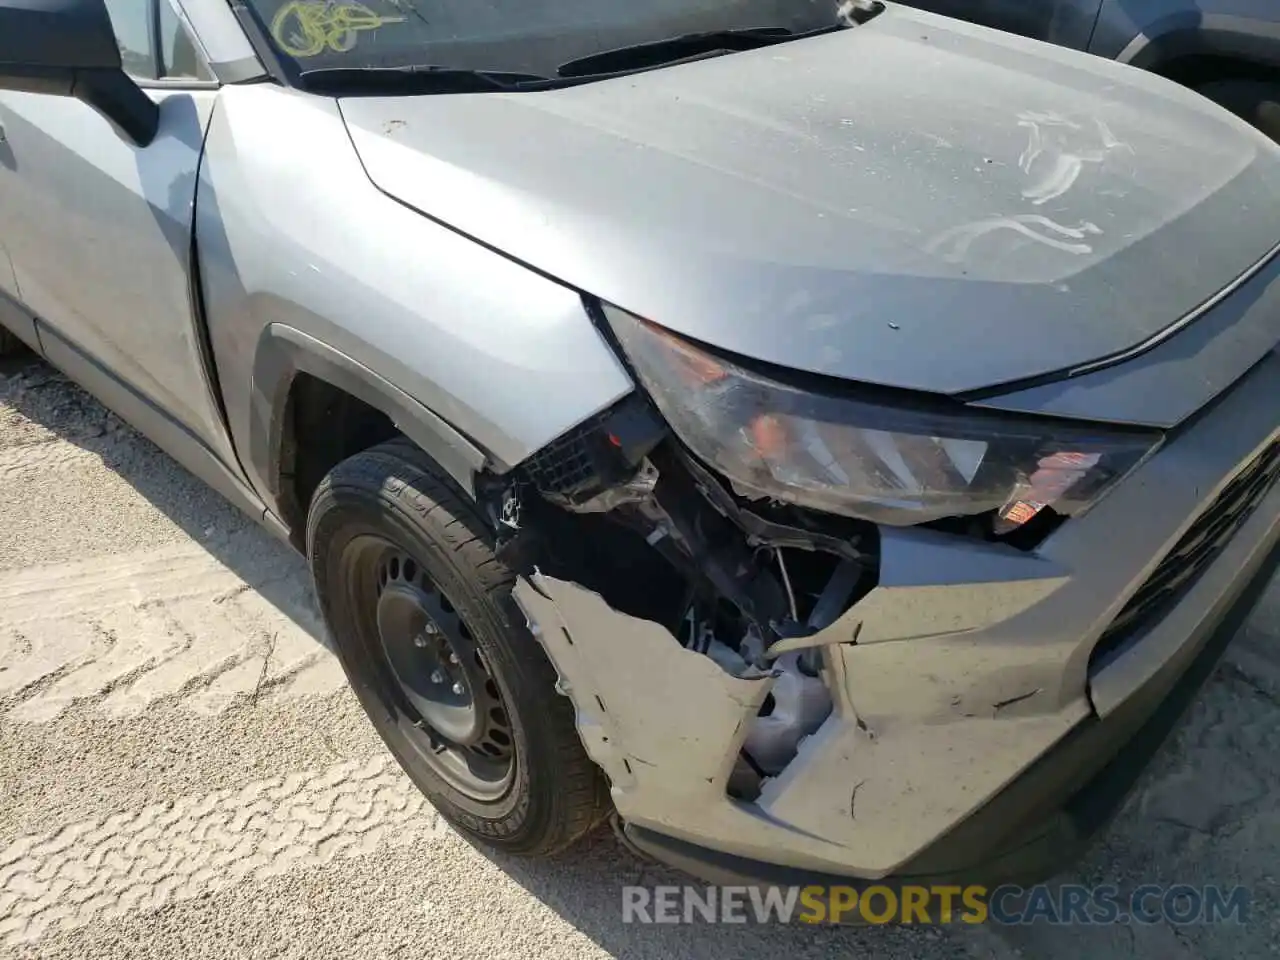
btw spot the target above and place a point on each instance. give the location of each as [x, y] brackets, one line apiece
[1257, 101]
[9, 343]
[553, 793]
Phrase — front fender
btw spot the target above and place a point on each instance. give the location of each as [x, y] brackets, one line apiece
[284, 352]
[307, 267]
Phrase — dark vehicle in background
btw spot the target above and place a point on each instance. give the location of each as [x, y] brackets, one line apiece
[1229, 50]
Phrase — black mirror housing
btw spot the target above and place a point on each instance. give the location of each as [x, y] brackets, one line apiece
[48, 36]
[68, 48]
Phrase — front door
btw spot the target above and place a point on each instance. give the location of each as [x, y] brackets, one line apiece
[99, 230]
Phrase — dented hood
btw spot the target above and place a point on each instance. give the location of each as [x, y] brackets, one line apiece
[915, 202]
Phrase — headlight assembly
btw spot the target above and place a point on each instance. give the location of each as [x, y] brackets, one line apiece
[897, 463]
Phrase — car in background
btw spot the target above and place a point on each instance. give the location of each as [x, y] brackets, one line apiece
[1229, 50]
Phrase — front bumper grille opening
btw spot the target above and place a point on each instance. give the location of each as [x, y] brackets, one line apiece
[1182, 566]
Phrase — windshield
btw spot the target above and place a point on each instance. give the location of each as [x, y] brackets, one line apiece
[530, 36]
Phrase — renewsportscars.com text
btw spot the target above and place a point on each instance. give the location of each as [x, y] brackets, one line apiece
[1007, 905]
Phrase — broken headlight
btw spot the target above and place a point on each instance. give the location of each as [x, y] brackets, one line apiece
[897, 463]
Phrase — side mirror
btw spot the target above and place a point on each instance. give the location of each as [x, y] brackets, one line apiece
[68, 48]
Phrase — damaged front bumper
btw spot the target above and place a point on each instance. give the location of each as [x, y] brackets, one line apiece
[984, 719]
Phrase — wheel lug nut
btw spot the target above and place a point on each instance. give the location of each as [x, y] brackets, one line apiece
[453, 657]
[420, 640]
[437, 676]
[430, 629]
[459, 689]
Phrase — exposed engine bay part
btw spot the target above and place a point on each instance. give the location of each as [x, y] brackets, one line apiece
[668, 726]
[751, 593]
[914, 600]
[596, 457]
[801, 703]
[618, 507]
[638, 489]
[847, 542]
[797, 703]
[835, 596]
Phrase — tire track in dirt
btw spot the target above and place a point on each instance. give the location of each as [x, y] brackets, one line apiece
[121, 633]
[169, 852]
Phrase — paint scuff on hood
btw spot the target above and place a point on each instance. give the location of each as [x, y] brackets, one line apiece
[858, 204]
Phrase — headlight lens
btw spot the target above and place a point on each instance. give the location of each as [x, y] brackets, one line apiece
[897, 464]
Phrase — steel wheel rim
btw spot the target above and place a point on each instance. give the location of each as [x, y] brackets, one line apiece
[430, 670]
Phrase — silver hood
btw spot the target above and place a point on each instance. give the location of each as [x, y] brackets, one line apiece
[915, 202]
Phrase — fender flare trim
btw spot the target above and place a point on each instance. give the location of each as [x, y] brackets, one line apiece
[284, 352]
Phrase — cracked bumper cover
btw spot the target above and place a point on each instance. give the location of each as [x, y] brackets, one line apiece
[967, 721]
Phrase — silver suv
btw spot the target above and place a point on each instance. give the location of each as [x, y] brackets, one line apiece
[830, 441]
[1229, 50]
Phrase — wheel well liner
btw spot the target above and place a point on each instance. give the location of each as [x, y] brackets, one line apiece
[299, 380]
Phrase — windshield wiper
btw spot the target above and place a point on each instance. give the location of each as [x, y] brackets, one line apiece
[430, 78]
[657, 53]
[418, 79]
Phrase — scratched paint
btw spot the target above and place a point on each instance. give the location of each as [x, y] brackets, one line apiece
[1058, 150]
[307, 28]
[953, 245]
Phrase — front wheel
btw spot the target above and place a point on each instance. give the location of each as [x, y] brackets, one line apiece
[441, 658]
[1257, 101]
[9, 343]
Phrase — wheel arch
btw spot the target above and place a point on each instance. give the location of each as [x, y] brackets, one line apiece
[301, 383]
[1180, 41]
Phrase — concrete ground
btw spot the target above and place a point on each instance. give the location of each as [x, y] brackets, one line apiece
[183, 772]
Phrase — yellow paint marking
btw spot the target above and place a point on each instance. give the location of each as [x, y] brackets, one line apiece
[305, 28]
